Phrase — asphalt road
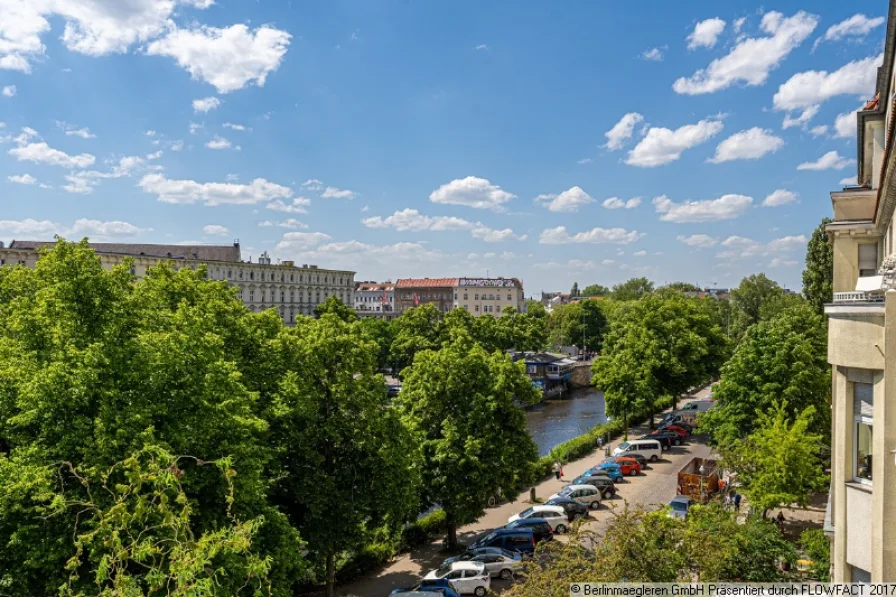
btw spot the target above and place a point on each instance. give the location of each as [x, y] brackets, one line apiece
[653, 488]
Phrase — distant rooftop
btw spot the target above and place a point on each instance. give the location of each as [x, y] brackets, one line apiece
[426, 283]
[200, 252]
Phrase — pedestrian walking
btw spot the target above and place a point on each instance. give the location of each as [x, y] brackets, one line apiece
[780, 519]
[727, 501]
[556, 469]
[737, 502]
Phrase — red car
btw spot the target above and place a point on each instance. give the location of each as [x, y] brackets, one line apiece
[681, 431]
[628, 466]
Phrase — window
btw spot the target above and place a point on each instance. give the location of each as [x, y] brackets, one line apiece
[531, 369]
[867, 260]
[863, 407]
[465, 296]
[251, 275]
[251, 296]
[476, 297]
[509, 298]
[229, 274]
[241, 274]
[477, 308]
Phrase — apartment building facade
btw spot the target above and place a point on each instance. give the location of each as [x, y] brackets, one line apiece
[375, 299]
[291, 290]
[862, 348]
[479, 296]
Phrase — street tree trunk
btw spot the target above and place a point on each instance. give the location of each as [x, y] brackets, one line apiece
[331, 575]
[451, 539]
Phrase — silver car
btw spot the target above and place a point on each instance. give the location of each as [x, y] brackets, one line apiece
[498, 562]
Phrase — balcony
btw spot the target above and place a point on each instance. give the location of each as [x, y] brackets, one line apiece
[858, 297]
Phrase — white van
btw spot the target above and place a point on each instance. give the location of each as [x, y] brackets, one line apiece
[648, 448]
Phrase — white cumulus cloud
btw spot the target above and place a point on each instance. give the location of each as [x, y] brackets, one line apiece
[212, 193]
[661, 145]
[296, 206]
[779, 197]
[829, 161]
[726, 207]
[850, 181]
[653, 54]
[811, 88]
[411, 220]
[706, 33]
[750, 144]
[617, 203]
[220, 143]
[302, 240]
[228, 58]
[700, 241]
[473, 192]
[215, 230]
[616, 236]
[622, 131]
[21, 179]
[334, 193]
[206, 104]
[858, 25]
[73, 131]
[41, 153]
[750, 61]
[568, 201]
[9, 91]
[846, 125]
[802, 119]
[290, 223]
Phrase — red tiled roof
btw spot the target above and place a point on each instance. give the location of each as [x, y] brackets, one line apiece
[379, 286]
[426, 283]
[872, 104]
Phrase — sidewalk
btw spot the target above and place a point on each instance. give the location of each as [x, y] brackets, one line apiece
[656, 486]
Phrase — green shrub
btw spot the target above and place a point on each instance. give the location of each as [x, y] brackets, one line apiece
[419, 532]
[818, 549]
[371, 556]
[434, 523]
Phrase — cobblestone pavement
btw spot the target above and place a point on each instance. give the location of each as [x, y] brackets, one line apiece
[654, 487]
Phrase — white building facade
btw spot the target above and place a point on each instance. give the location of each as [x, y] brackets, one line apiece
[291, 290]
[375, 299]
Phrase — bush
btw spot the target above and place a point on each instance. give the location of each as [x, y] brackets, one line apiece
[418, 532]
[371, 556]
[818, 549]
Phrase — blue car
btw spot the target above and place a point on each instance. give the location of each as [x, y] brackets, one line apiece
[613, 470]
[439, 587]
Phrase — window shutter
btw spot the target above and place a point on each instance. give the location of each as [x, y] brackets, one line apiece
[868, 257]
[863, 399]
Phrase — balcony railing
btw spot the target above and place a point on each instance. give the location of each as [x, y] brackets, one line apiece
[858, 296]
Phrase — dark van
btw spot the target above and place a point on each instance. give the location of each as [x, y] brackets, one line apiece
[521, 540]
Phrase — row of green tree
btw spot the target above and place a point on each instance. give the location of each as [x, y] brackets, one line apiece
[156, 437]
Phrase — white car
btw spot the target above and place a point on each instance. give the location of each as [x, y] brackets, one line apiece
[554, 515]
[584, 494]
[468, 577]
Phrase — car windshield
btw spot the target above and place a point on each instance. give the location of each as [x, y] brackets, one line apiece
[680, 506]
[526, 512]
[624, 446]
[443, 571]
[565, 491]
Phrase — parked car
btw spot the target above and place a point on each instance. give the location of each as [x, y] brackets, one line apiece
[629, 468]
[521, 540]
[613, 471]
[554, 515]
[642, 461]
[674, 438]
[596, 471]
[541, 528]
[625, 461]
[640, 449]
[680, 430]
[429, 588]
[679, 506]
[498, 562]
[587, 494]
[689, 428]
[665, 442]
[698, 405]
[467, 577]
[602, 482]
[573, 508]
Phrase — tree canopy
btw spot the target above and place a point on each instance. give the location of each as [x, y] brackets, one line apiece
[595, 290]
[748, 299]
[459, 403]
[818, 277]
[631, 290]
[658, 346]
[783, 358]
[778, 464]
[582, 324]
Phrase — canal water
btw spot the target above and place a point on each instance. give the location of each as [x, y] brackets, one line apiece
[554, 421]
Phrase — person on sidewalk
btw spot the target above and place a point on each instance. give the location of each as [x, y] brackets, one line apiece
[737, 502]
[556, 469]
[561, 471]
[727, 501]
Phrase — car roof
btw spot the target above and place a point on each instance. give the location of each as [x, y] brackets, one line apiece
[582, 486]
[681, 499]
[467, 565]
[529, 521]
[547, 508]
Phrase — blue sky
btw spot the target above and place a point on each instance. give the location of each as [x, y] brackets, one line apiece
[554, 142]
